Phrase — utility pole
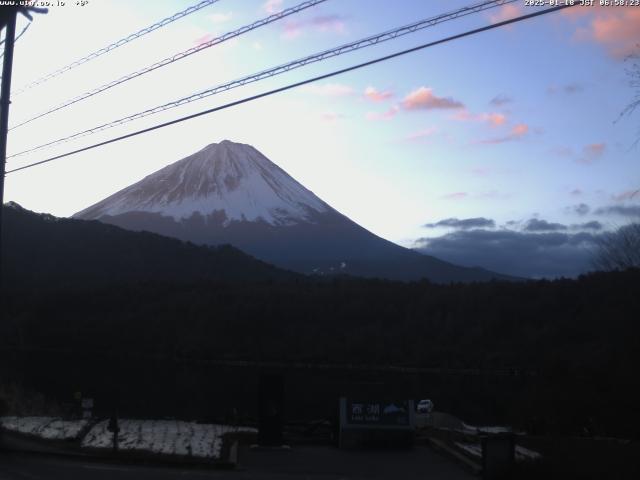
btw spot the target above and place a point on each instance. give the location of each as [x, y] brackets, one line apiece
[8, 16]
[5, 101]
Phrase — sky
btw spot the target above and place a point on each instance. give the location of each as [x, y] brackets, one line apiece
[505, 149]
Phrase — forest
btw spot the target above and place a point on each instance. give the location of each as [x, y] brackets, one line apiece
[573, 344]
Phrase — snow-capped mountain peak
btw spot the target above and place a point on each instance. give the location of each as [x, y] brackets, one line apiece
[227, 177]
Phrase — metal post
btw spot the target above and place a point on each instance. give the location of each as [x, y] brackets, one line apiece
[5, 101]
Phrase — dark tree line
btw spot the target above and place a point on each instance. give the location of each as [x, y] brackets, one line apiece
[108, 308]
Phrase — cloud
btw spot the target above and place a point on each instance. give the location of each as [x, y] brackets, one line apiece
[627, 195]
[522, 254]
[329, 23]
[592, 225]
[386, 115]
[494, 119]
[487, 195]
[591, 153]
[371, 93]
[629, 211]
[568, 89]
[272, 6]
[538, 225]
[220, 17]
[520, 130]
[455, 195]
[517, 132]
[330, 90]
[324, 23]
[423, 98]
[580, 209]
[506, 12]
[500, 100]
[463, 224]
[204, 39]
[421, 134]
[576, 192]
[616, 29]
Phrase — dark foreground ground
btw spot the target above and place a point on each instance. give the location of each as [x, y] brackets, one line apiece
[313, 463]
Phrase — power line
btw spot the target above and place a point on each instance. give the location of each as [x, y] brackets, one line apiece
[298, 84]
[22, 32]
[162, 23]
[26, 27]
[349, 47]
[178, 56]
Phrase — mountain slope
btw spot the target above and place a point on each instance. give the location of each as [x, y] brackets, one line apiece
[43, 251]
[231, 193]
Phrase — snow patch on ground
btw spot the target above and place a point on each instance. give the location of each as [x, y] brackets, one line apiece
[168, 437]
[48, 428]
[526, 454]
[486, 429]
[475, 450]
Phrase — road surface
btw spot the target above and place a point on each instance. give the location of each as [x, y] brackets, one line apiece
[312, 463]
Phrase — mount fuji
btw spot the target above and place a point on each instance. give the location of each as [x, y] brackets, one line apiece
[230, 193]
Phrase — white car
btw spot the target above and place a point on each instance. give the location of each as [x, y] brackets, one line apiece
[424, 406]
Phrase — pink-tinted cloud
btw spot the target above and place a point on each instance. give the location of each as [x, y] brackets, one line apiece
[506, 12]
[617, 29]
[329, 23]
[325, 24]
[330, 90]
[456, 196]
[423, 98]
[375, 95]
[272, 6]
[494, 119]
[386, 115]
[204, 39]
[626, 195]
[591, 153]
[516, 133]
[620, 32]
[579, 11]
[421, 134]
[520, 130]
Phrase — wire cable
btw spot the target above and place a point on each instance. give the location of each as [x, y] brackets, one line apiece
[298, 84]
[162, 23]
[178, 56]
[349, 47]
[26, 27]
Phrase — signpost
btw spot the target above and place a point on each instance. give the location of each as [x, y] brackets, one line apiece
[87, 408]
[391, 423]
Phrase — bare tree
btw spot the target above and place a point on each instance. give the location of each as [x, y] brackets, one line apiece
[633, 72]
[619, 250]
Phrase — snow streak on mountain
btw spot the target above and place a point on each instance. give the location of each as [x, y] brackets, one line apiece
[231, 193]
[226, 177]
